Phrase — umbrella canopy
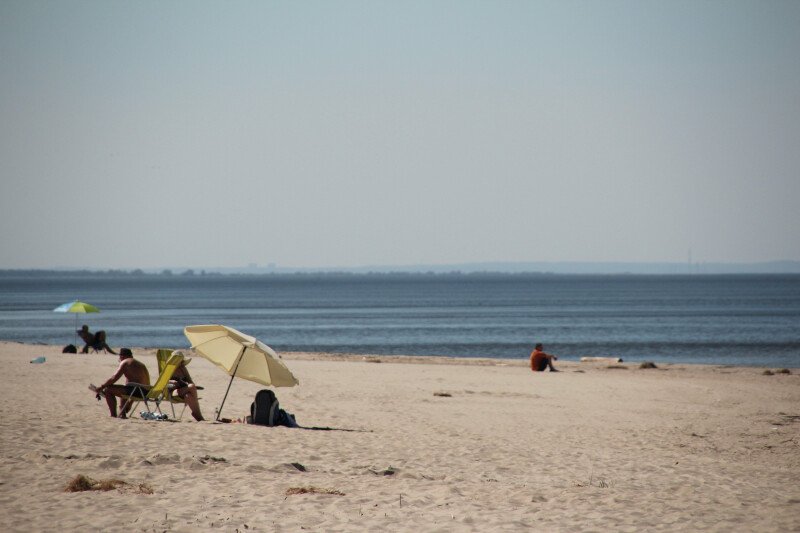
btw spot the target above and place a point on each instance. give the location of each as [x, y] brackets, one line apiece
[76, 307]
[239, 355]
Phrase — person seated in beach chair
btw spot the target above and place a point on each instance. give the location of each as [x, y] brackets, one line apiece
[135, 372]
[184, 388]
[540, 361]
[95, 341]
[159, 392]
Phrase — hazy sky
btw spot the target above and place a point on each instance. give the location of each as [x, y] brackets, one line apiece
[202, 134]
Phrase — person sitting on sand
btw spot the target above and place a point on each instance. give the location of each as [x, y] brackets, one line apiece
[134, 372]
[182, 386]
[95, 341]
[540, 360]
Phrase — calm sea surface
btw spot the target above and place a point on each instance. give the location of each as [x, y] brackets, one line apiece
[741, 320]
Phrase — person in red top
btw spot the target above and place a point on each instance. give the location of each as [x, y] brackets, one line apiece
[540, 360]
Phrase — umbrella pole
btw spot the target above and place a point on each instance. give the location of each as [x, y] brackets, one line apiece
[219, 411]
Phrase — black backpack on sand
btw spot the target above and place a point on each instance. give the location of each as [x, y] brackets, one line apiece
[266, 411]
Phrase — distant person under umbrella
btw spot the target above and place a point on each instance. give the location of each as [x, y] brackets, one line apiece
[95, 341]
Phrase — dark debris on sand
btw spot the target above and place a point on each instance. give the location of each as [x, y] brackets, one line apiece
[81, 483]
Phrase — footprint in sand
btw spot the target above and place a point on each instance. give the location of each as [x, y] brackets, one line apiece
[112, 462]
[163, 459]
[289, 468]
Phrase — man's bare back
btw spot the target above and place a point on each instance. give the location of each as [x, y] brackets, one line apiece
[134, 371]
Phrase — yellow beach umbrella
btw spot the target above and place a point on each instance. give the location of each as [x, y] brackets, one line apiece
[239, 355]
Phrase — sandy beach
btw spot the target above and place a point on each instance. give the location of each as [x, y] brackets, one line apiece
[417, 444]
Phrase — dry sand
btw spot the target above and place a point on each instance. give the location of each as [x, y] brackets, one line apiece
[592, 448]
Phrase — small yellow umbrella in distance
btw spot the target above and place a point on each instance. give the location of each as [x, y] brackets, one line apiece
[239, 355]
[76, 307]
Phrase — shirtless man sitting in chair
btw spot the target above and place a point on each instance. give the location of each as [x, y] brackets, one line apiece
[134, 372]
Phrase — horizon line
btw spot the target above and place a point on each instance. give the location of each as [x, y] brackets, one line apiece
[786, 266]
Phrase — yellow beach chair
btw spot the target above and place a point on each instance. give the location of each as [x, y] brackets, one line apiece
[162, 356]
[159, 392]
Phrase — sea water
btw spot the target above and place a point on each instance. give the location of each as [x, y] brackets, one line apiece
[722, 319]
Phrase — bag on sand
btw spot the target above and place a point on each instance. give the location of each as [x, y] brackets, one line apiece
[69, 348]
[266, 411]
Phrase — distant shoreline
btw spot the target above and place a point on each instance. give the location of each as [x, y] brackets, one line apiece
[443, 359]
